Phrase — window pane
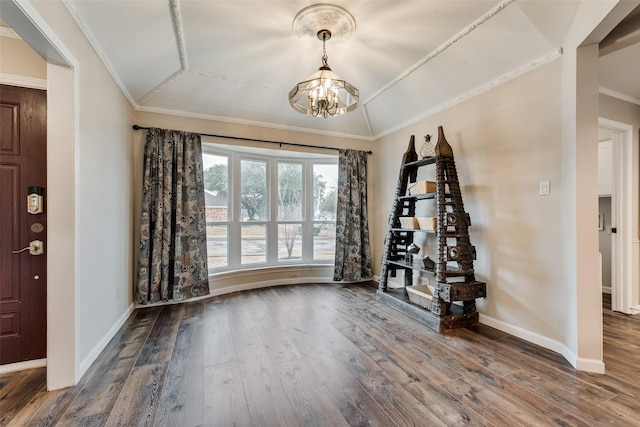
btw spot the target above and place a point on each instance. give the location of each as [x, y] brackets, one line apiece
[217, 245]
[289, 241]
[325, 183]
[324, 241]
[289, 191]
[253, 190]
[216, 187]
[253, 244]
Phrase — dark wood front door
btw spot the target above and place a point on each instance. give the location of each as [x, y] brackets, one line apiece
[23, 275]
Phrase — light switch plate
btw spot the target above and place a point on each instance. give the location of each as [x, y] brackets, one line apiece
[544, 188]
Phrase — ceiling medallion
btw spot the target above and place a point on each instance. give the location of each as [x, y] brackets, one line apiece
[324, 94]
[324, 16]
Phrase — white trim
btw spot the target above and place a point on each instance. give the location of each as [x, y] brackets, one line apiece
[96, 47]
[588, 365]
[161, 86]
[97, 349]
[28, 82]
[524, 334]
[178, 28]
[624, 270]
[581, 364]
[444, 46]
[476, 91]
[319, 280]
[21, 366]
[24, 18]
[250, 123]
[61, 305]
[621, 96]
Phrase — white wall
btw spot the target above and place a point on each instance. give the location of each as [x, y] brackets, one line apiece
[90, 180]
[505, 142]
[18, 59]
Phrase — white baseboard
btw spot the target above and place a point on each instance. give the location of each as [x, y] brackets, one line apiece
[245, 287]
[635, 309]
[95, 352]
[588, 365]
[581, 364]
[21, 366]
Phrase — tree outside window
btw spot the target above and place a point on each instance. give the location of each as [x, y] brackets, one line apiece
[289, 204]
[253, 191]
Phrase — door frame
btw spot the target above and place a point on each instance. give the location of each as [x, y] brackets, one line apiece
[63, 82]
[622, 265]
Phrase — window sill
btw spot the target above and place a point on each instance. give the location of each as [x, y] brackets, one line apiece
[221, 283]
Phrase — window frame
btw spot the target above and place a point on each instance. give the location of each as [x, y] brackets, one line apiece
[234, 223]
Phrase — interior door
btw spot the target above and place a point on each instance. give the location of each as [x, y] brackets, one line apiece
[23, 273]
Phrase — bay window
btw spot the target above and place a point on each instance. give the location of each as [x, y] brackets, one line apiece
[268, 207]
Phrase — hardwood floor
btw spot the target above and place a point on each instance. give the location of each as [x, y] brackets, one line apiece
[326, 355]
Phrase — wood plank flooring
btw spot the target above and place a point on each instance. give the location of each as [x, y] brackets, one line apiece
[326, 355]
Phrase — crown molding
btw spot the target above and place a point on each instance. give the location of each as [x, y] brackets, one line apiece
[96, 48]
[618, 95]
[22, 81]
[479, 90]
[251, 123]
[444, 46]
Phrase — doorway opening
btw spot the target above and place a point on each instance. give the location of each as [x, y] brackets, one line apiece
[615, 186]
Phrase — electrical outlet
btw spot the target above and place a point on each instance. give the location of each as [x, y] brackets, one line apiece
[544, 188]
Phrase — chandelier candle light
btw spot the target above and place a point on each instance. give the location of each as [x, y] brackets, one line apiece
[324, 94]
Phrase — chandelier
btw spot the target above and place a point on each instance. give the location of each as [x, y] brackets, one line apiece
[324, 94]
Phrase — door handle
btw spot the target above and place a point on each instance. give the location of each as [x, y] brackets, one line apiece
[36, 247]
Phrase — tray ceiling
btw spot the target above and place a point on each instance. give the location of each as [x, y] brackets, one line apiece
[237, 60]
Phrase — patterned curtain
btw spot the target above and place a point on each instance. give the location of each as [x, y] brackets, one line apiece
[353, 253]
[173, 241]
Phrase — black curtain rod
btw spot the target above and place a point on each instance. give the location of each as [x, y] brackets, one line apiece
[136, 127]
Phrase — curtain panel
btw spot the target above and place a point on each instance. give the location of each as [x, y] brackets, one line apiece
[173, 242]
[353, 251]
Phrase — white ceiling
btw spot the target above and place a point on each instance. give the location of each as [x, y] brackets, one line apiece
[236, 60]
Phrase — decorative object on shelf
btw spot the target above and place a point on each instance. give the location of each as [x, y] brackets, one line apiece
[324, 94]
[409, 222]
[428, 263]
[452, 302]
[420, 295]
[422, 187]
[427, 223]
[443, 149]
[411, 156]
[427, 149]
[412, 249]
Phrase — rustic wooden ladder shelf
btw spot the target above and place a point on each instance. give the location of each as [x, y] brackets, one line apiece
[453, 303]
